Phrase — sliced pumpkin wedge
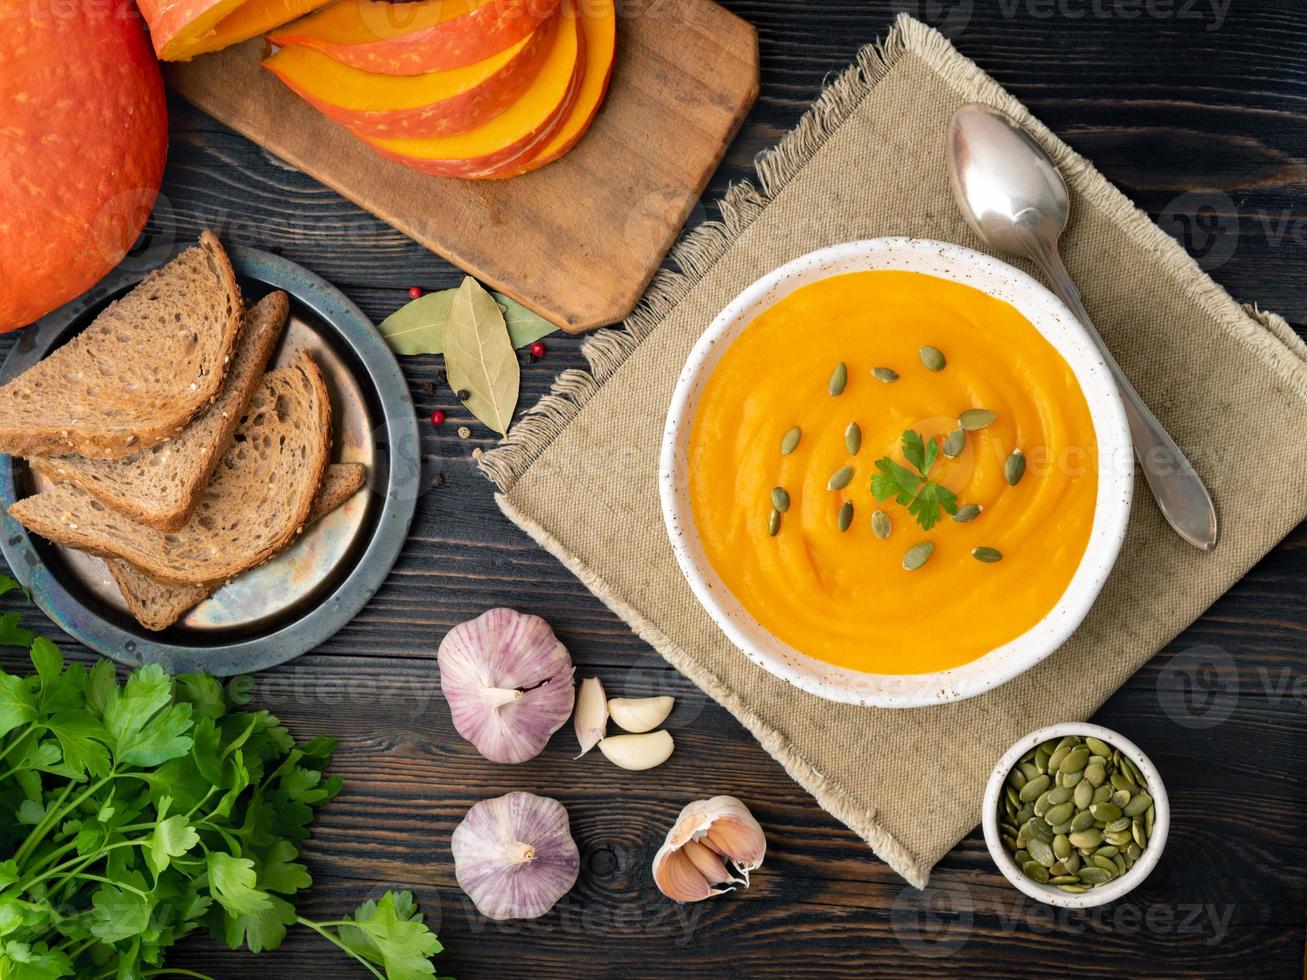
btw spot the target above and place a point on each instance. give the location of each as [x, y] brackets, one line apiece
[515, 133]
[250, 19]
[417, 37]
[436, 103]
[599, 25]
[176, 26]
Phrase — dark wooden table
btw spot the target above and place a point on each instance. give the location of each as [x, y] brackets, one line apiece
[1200, 115]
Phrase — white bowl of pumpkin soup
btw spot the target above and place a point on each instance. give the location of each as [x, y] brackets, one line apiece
[896, 472]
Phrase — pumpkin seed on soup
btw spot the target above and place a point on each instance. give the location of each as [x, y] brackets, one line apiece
[853, 438]
[774, 523]
[887, 375]
[966, 514]
[881, 526]
[780, 499]
[845, 517]
[1065, 822]
[914, 558]
[932, 357]
[954, 443]
[987, 555]
[790, 441]
[839, 378]
[975, 419]
[840, 478]
[1014, 468]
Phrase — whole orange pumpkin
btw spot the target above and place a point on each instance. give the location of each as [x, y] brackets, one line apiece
[83, 138]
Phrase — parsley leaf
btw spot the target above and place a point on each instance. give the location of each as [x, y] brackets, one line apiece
[390, 933]
[924, 500]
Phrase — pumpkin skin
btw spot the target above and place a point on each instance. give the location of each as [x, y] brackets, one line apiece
[85, 127]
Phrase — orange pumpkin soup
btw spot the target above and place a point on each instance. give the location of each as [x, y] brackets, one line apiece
[845, 596]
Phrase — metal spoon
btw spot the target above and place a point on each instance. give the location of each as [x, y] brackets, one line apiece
[1011, 193]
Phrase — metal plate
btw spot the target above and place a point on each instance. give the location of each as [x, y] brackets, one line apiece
[288, 606]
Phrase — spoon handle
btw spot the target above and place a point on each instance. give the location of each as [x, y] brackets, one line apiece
[1184, 501]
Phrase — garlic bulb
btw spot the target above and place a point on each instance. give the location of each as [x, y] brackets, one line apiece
[508, 682]
[514, 856]
[640, 714]
[591, 719]
[637, 751]
[692, 863]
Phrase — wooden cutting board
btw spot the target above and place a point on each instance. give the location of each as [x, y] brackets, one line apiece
[578, 240]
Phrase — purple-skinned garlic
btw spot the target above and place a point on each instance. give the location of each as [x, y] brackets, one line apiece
[514, 856]
[508, 682]
[710, 850]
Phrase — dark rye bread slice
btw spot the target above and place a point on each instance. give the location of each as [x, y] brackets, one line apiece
[157, 605]
[139, 373]
[160, 486]
[258, 501]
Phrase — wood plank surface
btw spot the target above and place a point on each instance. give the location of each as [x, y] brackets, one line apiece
[576, 240]
[1207, 130]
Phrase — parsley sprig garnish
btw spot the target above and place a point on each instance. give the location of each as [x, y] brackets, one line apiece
[924, 500]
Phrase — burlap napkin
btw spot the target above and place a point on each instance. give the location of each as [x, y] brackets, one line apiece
[579, 473]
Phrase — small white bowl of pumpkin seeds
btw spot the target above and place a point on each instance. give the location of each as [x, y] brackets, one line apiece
[1075, 815]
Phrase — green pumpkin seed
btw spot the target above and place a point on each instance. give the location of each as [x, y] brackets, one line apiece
[1060, 813]
[1116, 826]
[840, 478]
[1036, 829]
[774, 523]
[790, 441]
[1121, 797]
[1062, 828]
[888, 375]
[1140, 802]
[1098, 746]
[1149, 814]
[1121, 781]
[1106, 863]
[1084, 794]
[1015, 468]
[1041, 851]
[839, 379]
[780, 499]
[1120, 864]
[1026, 811]
[987, 555]
[1101, 794]
[1133, 853]
[954, 443]
[1063, 880]
[975, 419]
[1073, 889]
[1137, 832]
[1062, 847]
[914, 558]
[1035, 872]
[1106, 812]
[1042, 805]
[1090, 837]
[1033, 787]
[1029, 770]
[1095, 875]
[1082, 821]
[1073, 863]
[1042, 753]
[853, 438]
[965, 515]
[1121, 839]
[845, 517]
[1096, 775]
[882, 527]
[932, 357]
[1107, 851]
[1059, 795]
[1069, 778]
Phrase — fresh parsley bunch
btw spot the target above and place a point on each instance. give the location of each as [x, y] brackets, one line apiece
[923, 499]
[133, 814]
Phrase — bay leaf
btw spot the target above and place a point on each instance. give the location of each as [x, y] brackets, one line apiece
[418, 327]
[479, 357]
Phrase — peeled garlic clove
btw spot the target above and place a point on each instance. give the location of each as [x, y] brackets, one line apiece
[508, 682]
[640, 714]
[720, 828]
[514, 856]
[637, 751]
[591, 718]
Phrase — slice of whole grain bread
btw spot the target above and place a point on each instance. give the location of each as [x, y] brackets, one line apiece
[139, 373]
[157, 604]
[258, 501]
[160, 486]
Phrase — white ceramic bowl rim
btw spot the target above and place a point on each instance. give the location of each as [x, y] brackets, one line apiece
[1113, 889]
[1115, 474]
